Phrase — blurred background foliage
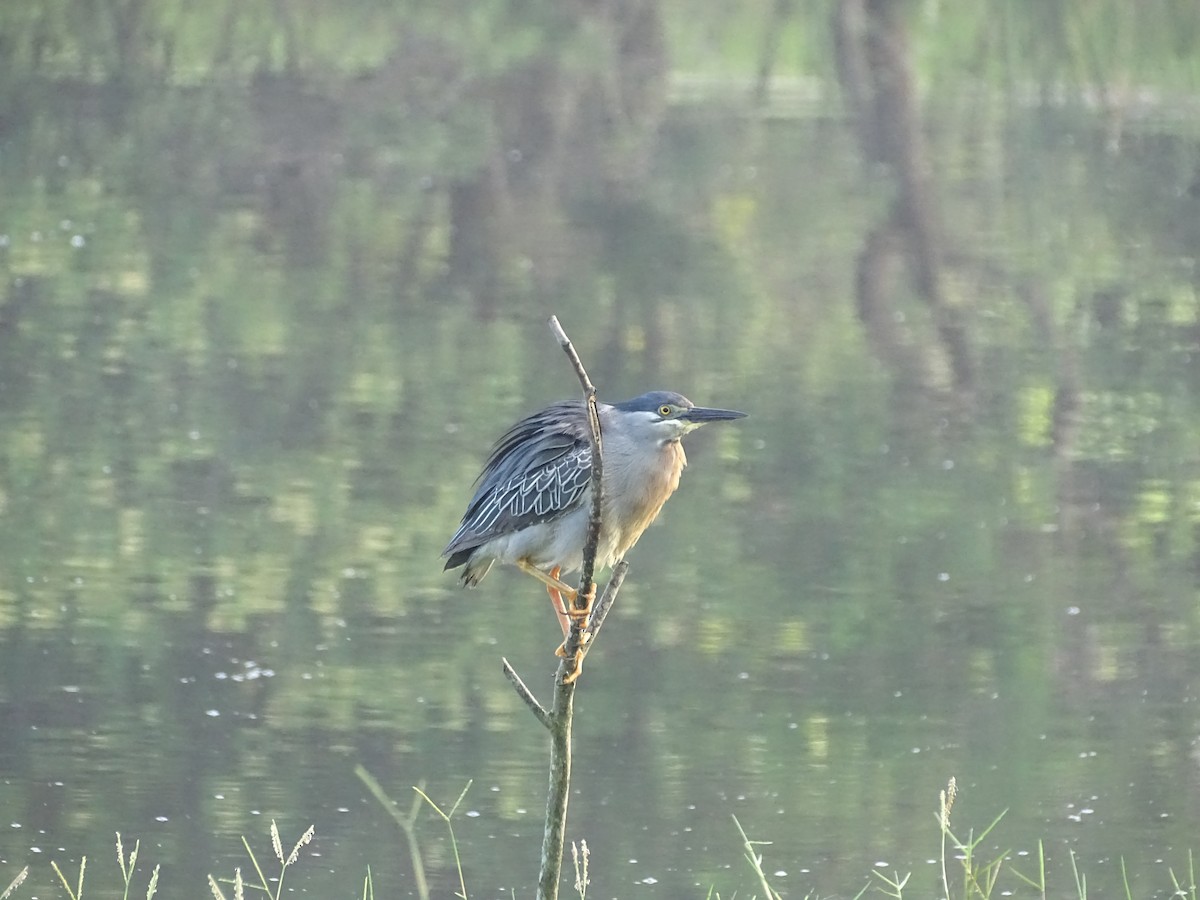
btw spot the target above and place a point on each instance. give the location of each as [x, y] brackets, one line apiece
[274, 276]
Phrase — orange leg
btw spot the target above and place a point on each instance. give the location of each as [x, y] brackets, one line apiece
[549, 580]
[564, 611]
[556, 600]
[567, 614]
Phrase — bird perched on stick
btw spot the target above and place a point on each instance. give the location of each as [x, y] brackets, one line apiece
[533, 499]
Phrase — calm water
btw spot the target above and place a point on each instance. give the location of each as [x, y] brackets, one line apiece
[256, 340]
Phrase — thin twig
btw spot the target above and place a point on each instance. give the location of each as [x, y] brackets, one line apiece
[599, 612]
[568, 671]
[555, 827]
[569, 349]
[562, 714]
[558, 719]
[525, 694]
[604, 604]
[592, 541]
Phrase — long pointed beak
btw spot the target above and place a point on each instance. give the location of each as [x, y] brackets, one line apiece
[701, 414]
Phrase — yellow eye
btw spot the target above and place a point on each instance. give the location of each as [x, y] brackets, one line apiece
[664, 410]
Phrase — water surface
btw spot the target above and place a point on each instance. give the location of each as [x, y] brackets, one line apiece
[256, 337]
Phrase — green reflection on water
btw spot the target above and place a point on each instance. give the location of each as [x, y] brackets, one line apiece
[258, 333]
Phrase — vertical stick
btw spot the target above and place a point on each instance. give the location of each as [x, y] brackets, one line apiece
[586, 592]
[554, 833]
[563, 707]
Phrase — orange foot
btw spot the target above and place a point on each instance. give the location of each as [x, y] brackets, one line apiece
[574, 673]
[583, 617]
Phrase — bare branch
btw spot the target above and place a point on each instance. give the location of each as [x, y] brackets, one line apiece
[525, 694]
[562, 714]
[569, 349]
[558, 720]
[604, 604]
[568, 671]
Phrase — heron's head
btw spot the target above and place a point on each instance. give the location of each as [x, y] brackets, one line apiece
[663, 416]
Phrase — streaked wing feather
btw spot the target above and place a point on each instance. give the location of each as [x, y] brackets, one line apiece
[532, 497]
[537, 471]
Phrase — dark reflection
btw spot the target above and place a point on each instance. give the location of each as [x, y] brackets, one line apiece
[876, 72]
[271, 282]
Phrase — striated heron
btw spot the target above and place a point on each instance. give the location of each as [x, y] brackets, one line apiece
[532, 500]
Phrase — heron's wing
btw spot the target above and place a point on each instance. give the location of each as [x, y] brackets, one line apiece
[537, 471]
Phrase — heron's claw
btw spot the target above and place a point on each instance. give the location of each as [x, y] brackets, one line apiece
[578, 662]
[585, 638]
